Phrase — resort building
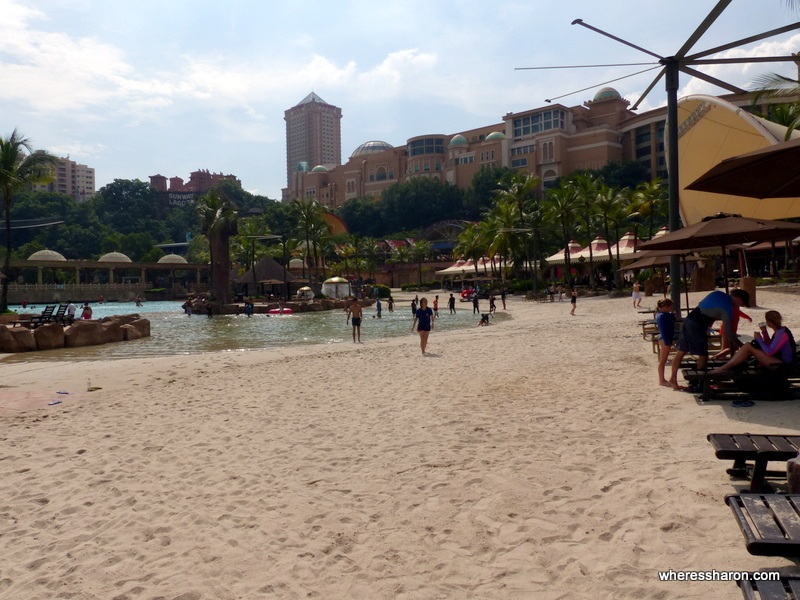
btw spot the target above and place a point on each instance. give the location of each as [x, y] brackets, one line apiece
[313, 137]
[70, 178]
[550, 142]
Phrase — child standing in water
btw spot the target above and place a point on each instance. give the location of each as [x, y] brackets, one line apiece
[665, 321]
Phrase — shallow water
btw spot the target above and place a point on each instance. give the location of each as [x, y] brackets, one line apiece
[174, 333]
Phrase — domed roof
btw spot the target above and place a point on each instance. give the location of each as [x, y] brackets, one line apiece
[496, 135]
[320, 169]
[607, 93]
[172, 259]
[296, 263]
[372, 147]
[46, 255]
[458, 140]
[114, 257]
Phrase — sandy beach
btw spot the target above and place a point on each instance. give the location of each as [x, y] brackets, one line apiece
[536, 458]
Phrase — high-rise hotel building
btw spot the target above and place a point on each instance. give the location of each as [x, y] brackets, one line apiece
[70, 178]
[313, 137]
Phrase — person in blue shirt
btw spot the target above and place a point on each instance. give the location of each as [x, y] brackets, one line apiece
[665, 321]
[717, 306]
[423, 316]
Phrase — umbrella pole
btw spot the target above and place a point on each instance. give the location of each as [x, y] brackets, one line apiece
[685, 281]
[725, 268]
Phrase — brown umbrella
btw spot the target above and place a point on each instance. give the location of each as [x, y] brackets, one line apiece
[271, 282]
[721, 231]
[661, 258]
[770, 172]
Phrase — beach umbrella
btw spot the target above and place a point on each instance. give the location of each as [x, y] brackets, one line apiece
[770, 172]
[723, 230]
[661, 258]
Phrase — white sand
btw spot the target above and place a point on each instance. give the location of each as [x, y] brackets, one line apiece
[537, 458]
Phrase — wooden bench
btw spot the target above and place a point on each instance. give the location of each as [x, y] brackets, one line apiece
[786, 588]
[751, 454]
[770, 523]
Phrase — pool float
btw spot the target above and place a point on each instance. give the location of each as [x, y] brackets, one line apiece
[280, 311]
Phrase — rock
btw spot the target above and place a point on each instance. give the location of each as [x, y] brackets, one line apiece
[84, 333]
[16, 339]
[49, 336]
[112, 331]
[129, 332]
[142, 326]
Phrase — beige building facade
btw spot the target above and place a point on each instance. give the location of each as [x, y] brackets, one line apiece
[550, 142]
[313, 137]
[71, 178]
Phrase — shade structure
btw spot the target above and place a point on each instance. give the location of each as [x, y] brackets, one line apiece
[271, 282]
[772, 172]
[722, 230]
[652, 259]
[559, 257]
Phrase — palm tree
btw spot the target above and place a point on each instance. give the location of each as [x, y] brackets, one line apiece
[649, 200]
[20, 167]
[520, 188]
[309, 213]
[613, 209]
[501, 227]
[400, 256]
[471, 244]
[218, 221]
[561, 207]
[420, 250]
[586, 187]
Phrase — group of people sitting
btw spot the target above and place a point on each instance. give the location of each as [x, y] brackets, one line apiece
[766, 348]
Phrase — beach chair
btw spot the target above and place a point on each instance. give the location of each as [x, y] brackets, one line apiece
[60, 315]
[774, 382]
[787, 588]
[45, 317]
[751, 455]
[770, 523]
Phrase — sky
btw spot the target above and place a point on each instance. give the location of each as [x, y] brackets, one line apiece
[141, 88]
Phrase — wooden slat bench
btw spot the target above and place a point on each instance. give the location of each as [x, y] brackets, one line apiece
[770, 523]
[756, 449]
[787, 588]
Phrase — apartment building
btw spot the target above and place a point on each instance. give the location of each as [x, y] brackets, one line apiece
[72, 179]
[313, 137]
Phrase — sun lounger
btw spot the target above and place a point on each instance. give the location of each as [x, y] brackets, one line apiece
[60, 315]
[787, 588]
[770, 523]
[45, 317]
[751, 454]
[776, 382]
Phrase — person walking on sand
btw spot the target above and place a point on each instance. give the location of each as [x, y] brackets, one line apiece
[424, 317]
[492, 305]
[414, 306]
[637, 295]
[503, 295]
[451, 303]
[476, 307]
[354, 313]
[665, 321]
[436, 307]
[390, 304]
[573, 299]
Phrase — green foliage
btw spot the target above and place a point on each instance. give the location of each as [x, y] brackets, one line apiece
[381, 291]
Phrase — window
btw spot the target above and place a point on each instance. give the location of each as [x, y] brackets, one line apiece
[517, 163]
[543, 121]
[380, 175]
[351, 186]
[520, 150]
[465, 160]
[548, 152]
[426, 146]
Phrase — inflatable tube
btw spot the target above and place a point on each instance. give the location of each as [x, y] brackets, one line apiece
[280, 311]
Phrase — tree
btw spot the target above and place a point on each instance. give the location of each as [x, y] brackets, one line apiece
[649, 200]
[561, 208]
[420, 250]
[219, 222]
[20, 167]
[613, 207]
[471, 244]
[586, 187]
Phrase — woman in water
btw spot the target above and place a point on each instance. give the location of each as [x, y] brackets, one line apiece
[423, 316]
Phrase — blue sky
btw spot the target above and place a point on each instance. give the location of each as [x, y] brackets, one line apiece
[139, 88]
